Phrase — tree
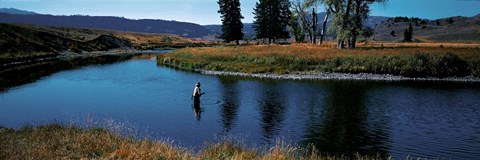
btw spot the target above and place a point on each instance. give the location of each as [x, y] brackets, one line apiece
[301, 9]
[314, 26]
[367, 32]
[261, 24]
[295, 28]
[410, 32]
[450, 20]
[324, 28]
[232, 25]
[393, 34]
[348, 18]
[271, 19]
[406, 36]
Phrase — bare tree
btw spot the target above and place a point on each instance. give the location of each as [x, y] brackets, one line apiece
[309, 24]
[348, 17]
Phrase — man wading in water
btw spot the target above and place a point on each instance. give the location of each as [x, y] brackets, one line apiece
[197, 93]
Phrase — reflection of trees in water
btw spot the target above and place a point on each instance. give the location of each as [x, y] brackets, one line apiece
[345, 128]
[272, 110]
[230, 103]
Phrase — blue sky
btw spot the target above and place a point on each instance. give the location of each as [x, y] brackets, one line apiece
[205, 11]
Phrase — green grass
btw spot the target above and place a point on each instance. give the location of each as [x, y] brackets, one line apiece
[56, 141]
[409, 62]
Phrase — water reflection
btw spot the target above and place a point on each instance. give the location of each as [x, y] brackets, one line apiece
[342, 128]
[197, 110]
[230, 105]
[272, 110]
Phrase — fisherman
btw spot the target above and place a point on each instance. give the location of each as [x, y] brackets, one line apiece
[197, 92]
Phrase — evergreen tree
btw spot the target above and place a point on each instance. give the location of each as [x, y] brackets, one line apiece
[232, 25]
[408, 34]
[271, 19]
[450, 21]
[261, 21]
[283, 19]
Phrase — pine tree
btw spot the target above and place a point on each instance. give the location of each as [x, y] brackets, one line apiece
[260, 24]
[283, 19]
[408, 34]
[232, 25]
[450, 20]
[271, 19]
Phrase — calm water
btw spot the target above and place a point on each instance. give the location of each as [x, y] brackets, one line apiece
[418, 119]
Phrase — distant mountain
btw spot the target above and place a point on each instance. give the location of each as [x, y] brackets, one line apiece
[185, 29]
[16, 11]
[451, 29]
[248, 29]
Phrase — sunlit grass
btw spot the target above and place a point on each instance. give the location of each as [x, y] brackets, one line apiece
[55, 141]
[60, 142]
[298, 58]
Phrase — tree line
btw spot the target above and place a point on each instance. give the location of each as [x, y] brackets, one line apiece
[281, 19]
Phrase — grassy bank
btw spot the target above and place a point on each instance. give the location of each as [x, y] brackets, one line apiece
[410, 62]
[63, 142]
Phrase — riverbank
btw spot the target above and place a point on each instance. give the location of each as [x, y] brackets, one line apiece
[67, 55]
[56, 141]
[311, 62]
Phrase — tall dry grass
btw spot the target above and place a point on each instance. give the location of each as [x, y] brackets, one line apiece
[57, 141]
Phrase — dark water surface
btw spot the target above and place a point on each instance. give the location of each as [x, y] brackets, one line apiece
[420, 119]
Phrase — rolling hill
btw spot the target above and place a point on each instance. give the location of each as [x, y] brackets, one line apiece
[16, 11]
[452, 29]
[26, 42]
[185, 29]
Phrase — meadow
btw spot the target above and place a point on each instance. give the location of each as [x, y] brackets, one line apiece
[404, 59]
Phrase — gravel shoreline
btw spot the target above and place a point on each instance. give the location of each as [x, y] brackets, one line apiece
[338, 76]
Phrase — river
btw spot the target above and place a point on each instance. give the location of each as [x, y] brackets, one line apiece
[416, 119]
